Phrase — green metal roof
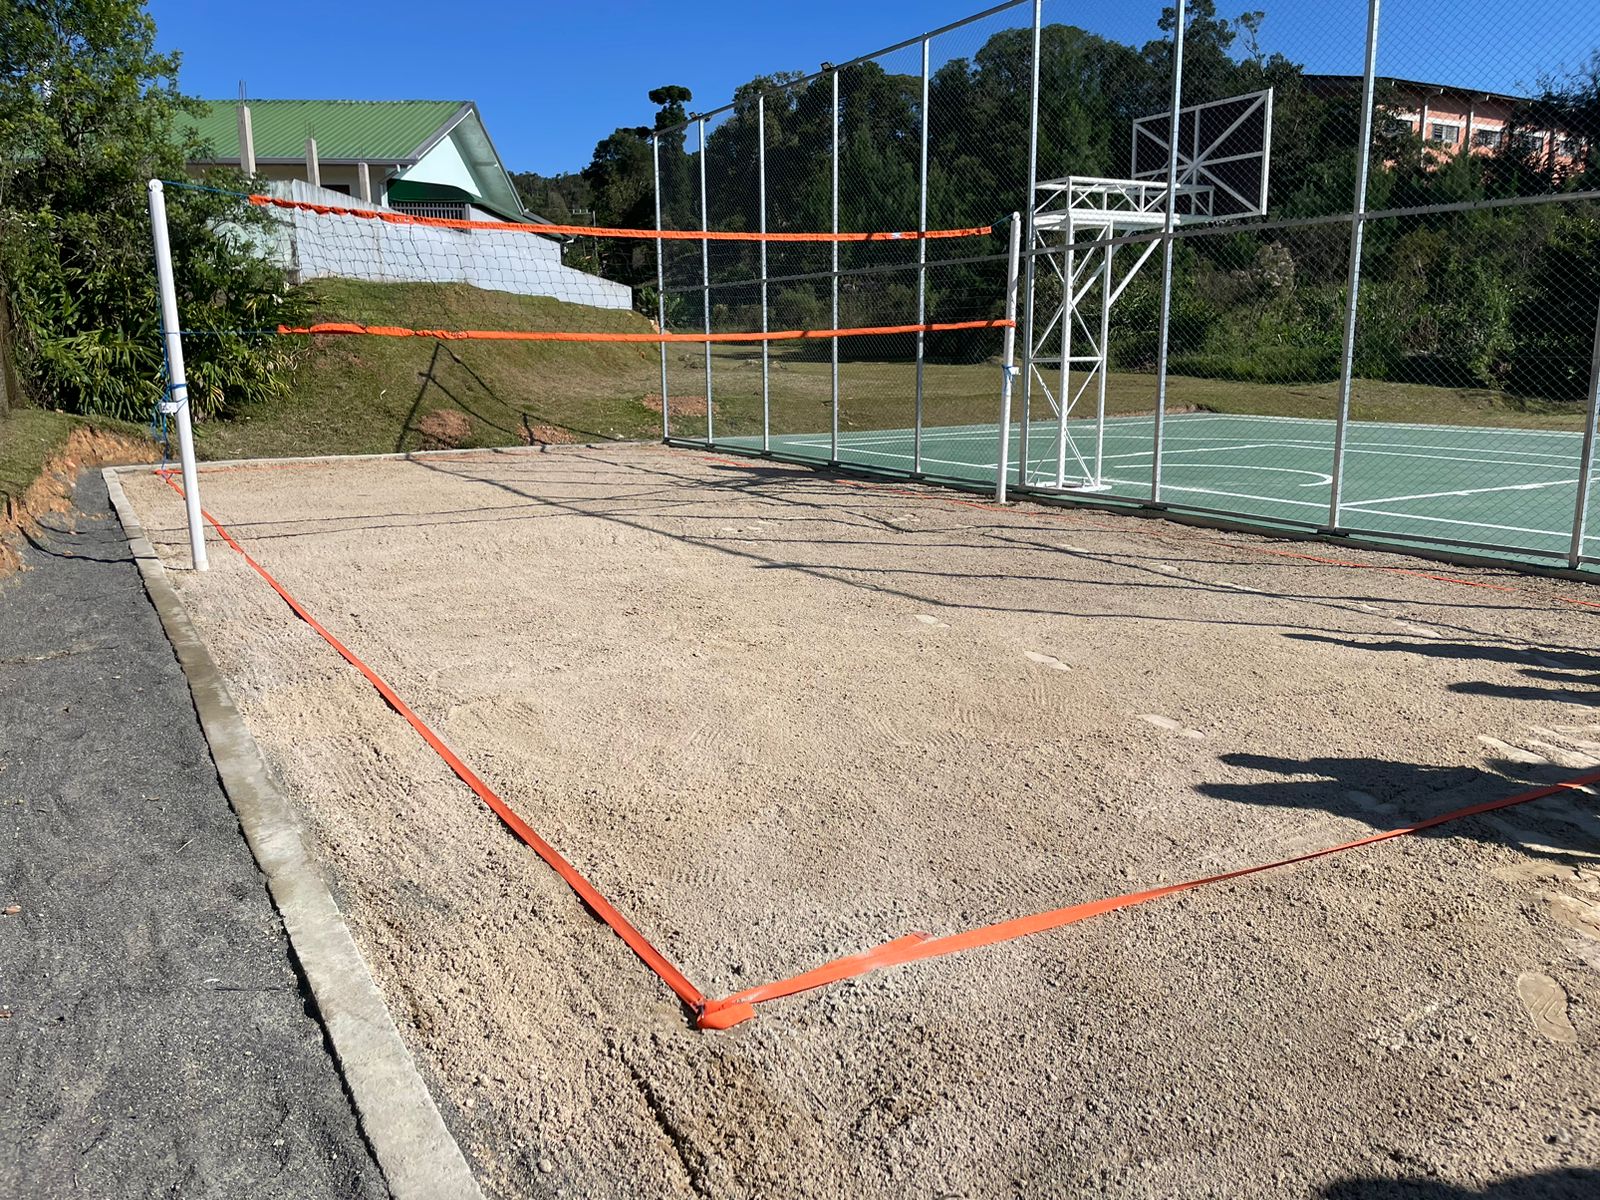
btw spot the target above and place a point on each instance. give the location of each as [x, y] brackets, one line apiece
[351, 130]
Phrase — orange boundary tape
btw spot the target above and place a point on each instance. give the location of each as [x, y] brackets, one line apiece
[730, 1010]
[587, 892]
[739, 1006]
[680, 235]
[541, 335]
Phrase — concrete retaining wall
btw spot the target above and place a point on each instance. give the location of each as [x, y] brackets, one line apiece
[311, 246]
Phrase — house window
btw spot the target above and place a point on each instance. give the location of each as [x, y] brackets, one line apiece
[1569, 147]
[448, 210]
[1528, 143]
[1442, 134]
[1489, 139]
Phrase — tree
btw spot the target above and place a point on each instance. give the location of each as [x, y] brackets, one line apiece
[680, 202]
[88, 113]
[1208, 66]
[1474, 299]
[620, 181]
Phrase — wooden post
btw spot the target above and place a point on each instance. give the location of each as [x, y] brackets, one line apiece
[247, 142]
[10, 389]
[364, 183]
[313, 172]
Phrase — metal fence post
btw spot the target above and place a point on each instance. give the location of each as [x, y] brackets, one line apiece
[922, 268]
[833, 436]
[766, 363]
[661, 291]
[705, 281]
[1169, 222]
[1069, 285]
[1580, 519]
[1008, 362]
[1105, 367]
[176, 400]
[1358, 227]
[1029, 203]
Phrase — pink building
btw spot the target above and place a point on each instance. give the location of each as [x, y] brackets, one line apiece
[1452, 120]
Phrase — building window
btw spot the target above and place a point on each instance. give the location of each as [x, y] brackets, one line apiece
[1528, 143]
[1569, 147]
[448, 210]
[1442, 134]
[1489, 139]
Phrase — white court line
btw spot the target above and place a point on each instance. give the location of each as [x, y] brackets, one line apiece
[1454, 452]
[1132, 483]
[1397, 450]
[1323, 479]
[1357, 446]
[1376, 424]
[902, 454]
[1562, 535]
[1165, 487]
[1509, 487]
[1390, 450]
[1048, 430]
[1204, 450]
[1124, 427]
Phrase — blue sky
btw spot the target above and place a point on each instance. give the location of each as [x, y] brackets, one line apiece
[553, 79]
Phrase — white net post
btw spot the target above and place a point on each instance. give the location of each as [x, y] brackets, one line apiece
[1586, 461]
[1008, 361]
[1353, 279]
[175, 402]
[1164, 329]
[661, 287]
[705, 284]
[833, 322]
[766, 347]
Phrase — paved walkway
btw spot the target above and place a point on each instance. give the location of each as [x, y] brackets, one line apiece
[154, 1037]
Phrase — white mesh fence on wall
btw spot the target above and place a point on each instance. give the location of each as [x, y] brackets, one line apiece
[309, 245]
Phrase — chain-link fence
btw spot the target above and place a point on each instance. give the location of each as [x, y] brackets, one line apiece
[1322, 271]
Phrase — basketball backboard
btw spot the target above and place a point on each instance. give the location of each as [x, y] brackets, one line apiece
[1224, 148]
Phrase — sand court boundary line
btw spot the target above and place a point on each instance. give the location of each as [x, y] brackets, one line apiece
[419, 1158]
[733, 1009]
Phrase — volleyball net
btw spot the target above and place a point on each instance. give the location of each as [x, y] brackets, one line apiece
[740, 331]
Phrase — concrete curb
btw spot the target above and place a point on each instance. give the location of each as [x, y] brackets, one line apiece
[419, 1158]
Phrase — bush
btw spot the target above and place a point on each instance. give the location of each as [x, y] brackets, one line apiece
[82, 291]
[1135, 327]
[88, 114]
[1264, 364]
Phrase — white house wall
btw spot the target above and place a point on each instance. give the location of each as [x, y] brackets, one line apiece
[443, 165]
[310, 246]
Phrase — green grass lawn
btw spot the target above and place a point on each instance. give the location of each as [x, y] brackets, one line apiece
[372, 395]
[354, 395]
[30, 437]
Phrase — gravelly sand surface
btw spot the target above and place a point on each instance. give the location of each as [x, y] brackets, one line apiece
[779, 717]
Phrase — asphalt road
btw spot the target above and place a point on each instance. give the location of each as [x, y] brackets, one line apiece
[154, 1036]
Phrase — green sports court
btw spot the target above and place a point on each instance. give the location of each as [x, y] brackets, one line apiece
[1512, 490]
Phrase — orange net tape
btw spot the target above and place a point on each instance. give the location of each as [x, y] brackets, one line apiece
[541, 335]
[680, 235]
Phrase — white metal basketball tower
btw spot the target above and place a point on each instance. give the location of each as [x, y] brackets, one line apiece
[1091, 238]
